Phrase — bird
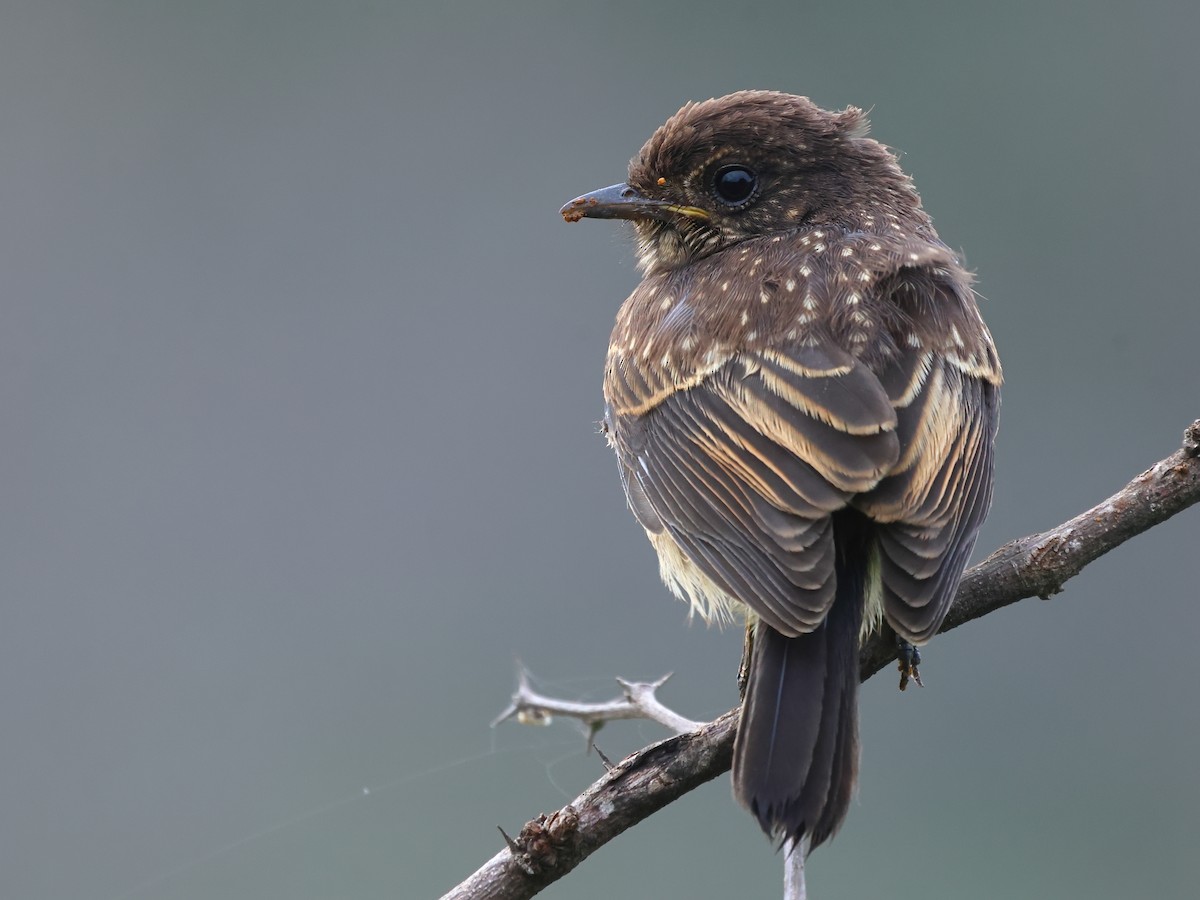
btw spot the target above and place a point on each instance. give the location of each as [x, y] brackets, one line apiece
[803, 399]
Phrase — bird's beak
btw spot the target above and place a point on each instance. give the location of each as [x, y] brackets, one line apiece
[620, 201]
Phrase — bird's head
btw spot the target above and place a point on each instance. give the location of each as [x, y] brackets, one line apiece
[746, 165]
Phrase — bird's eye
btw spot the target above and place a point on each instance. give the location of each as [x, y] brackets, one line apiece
[734, 185]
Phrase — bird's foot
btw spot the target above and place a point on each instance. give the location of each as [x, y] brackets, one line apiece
[908, 661]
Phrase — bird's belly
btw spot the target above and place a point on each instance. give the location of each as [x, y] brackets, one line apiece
[705, 598]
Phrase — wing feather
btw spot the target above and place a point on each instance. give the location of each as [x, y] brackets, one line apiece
[743, 475]
[934, 508]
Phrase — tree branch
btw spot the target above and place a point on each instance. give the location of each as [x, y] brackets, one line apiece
[550, 846]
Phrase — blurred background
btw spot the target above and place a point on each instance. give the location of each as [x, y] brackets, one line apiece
[300, 370]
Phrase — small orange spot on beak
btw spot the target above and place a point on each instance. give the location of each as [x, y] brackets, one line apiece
[662, 181]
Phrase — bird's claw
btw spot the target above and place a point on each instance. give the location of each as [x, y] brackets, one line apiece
[908, 661]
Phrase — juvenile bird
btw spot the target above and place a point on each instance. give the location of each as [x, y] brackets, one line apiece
[803, 399]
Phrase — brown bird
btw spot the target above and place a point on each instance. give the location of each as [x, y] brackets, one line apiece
[803, 400]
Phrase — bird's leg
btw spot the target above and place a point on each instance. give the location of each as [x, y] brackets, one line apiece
[908, 661]
[743, 675]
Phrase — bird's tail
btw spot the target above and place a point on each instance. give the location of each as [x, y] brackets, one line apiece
[795, 760]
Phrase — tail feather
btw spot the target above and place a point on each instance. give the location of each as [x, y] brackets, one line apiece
[795, 760]
[845, 762]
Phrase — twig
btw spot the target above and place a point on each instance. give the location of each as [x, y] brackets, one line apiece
[646, 781]
[794, 887]
[638, 701]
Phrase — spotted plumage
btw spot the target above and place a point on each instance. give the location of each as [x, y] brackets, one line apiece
[802, 397]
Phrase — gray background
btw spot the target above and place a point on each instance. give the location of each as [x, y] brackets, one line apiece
[299, 371]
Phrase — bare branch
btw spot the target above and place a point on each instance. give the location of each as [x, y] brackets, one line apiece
[550, 846]
[794, 885]
[639, 700]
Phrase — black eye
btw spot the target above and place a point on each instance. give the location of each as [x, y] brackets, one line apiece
[734, 185]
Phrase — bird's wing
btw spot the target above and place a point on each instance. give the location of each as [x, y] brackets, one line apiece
[743, 468]
[936, 500]
[946, 393]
